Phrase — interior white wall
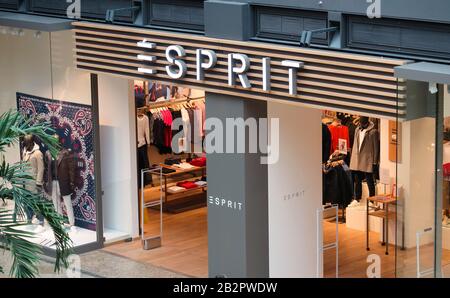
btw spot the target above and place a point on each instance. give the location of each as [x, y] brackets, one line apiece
[25, 67]
[69, 84]
[28, 66]
[446, 101]
[26, 62]
[293, 234]
[118, 154]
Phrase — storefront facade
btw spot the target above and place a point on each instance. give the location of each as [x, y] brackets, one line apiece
[245, 56]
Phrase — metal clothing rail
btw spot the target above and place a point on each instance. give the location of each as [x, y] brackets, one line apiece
[164, 104]
[334, 245]
[151, 242]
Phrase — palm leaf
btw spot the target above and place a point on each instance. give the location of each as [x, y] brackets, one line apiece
[14, 126]
[25, 254]
[14, 179]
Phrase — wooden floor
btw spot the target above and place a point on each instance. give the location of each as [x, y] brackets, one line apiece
[185, 243]
[185, 249]
[353, 254]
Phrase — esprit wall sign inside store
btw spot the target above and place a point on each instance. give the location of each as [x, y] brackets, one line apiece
[316, 78]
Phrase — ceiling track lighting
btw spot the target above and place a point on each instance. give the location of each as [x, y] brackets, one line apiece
[111, 13]
[12, 31]
[307, 35]
[433, 88]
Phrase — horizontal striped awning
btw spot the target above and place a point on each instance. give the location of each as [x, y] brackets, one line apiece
[328, 80]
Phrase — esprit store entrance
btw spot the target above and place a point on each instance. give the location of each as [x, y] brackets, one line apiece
[236, 74]
[171, 167]
[330, 168]
[359, 174]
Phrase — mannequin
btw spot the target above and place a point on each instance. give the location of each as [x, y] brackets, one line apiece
[34, 157]
[60, 182]
[365, 156]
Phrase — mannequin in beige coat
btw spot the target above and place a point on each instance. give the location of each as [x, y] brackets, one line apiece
[365, 154]
[35, 159]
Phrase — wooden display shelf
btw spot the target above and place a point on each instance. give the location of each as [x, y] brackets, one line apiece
[181, 198]
[187, 190]
[384, 199]
[382, 214]
[179, 171]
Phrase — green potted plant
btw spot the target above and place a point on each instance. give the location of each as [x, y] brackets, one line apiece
[13, 178]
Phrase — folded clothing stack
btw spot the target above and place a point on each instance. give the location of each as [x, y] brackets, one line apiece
[172, 161]
[201, 183]
[198, 162]
[184, 166]
[187, 184]
[167, 171]
[175, 189]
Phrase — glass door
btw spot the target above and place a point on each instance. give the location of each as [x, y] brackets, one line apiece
[445, 181]
[418, 186]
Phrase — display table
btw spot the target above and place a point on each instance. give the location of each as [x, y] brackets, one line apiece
[381, 212]
[179, 172]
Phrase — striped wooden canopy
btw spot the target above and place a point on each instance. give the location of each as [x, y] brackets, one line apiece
[329, 80]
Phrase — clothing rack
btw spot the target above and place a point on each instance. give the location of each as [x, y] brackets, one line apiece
[169, 103]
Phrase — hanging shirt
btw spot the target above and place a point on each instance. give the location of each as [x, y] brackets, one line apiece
[143, 131]
[446, 153]
[446, 160]
[186, 128]
[202, 107]
[191, 125]
[198, 126]
[168, 119]
[338, 132]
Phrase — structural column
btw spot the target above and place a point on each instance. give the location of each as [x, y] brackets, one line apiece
[237, 196]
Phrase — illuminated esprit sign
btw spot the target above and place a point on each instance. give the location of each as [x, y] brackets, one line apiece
[238, 66]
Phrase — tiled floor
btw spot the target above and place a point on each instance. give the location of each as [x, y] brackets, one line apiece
[99, 264]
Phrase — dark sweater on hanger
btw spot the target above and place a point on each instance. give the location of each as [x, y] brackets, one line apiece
[338, 186]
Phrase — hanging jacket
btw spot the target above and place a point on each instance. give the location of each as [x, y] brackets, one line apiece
[66, 172]
[338, 186]
[326, 143]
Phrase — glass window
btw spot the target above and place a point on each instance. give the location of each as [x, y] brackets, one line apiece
[37, 77]
[416, 190]
[446, 184]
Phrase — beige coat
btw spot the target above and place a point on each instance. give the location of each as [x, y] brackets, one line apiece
[35, 158]
[363, 159]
